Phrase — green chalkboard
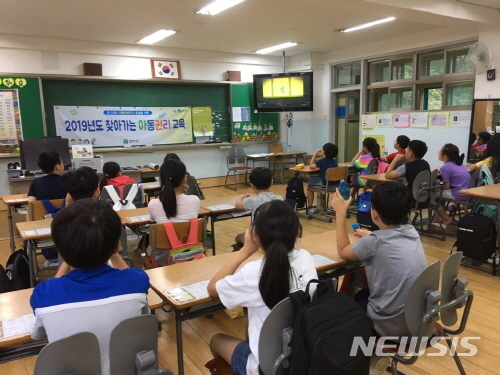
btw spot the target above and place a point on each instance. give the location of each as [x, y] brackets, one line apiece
[139, 94]
[261, 127]
[30, 104]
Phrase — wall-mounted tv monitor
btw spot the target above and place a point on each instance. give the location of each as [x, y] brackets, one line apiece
[30, 150]
[284, 92]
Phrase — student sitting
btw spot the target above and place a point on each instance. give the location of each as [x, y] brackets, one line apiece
[393, 258]
[113, 175]
[193, 187]
[49, 186]
[173, 205]
[261, 284]
[479, 148]
[261, 180]
[93, 296]
[400, 145]
[415, 164]
[492, 160]
[81, 183]
[327, 154]
[455, 177]
[370, 151]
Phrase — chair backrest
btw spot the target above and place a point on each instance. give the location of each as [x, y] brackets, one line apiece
[240, 155]
[372, 166]
[275, 148]
[37, 211]
[76, 354]
[274, 337]
[448, 283]
[336, 174]
[423, 294]
[231, 156]
[435, 188]
[474, 180]
[420, 188]
[158, 236]
[129, 338]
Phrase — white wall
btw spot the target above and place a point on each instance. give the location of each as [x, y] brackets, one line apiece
[485, 89]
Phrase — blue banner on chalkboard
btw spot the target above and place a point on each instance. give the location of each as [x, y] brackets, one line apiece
[124, 126]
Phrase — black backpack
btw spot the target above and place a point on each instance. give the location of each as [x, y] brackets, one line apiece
[476, 236]
[324, 330]
[5, 283]
[295, 191]
[18, 270]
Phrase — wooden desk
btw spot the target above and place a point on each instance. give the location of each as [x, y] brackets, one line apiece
[376, 179]
[274, 157]
[218, 214]
[12, 201]
[183, 274]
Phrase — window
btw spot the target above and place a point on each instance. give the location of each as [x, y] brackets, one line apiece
[348, 75]
[457, 61]
[432, 98]
[379, 100]
[402, 69]
[379, 71]
[432, 64]
[402, 97]
[459, 93]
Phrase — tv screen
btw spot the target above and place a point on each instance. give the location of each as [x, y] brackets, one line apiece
[30, 150]
[284, 92]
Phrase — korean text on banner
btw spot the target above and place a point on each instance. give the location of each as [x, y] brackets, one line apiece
[124, 126]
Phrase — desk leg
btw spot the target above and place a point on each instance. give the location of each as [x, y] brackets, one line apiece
[32, 260]
[212, 228]
[180, 349]
[11, 228]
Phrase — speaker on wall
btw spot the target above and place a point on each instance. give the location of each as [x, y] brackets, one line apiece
[92, 69]
[490, 75]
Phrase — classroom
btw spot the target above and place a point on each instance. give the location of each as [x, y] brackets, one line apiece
[359, 78]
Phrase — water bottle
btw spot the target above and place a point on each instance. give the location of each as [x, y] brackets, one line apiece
[355, 226]
[344, 189]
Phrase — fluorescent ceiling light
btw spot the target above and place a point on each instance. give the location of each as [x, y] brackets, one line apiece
[369, 24]
[218, 6]
[156, 36]
[275, 48]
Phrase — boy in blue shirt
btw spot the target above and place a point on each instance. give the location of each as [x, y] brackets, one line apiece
[327, 154]
[93, 296]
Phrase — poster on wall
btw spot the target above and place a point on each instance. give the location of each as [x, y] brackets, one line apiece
[384, 120]
[438, 120]
[460, 119]
[124, 126]
[202, 121]
[369, 121]
[401, 120]
[380, 140]
[10, 116]
[419, 119]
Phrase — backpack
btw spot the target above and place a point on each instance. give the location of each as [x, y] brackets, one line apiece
[122, 197]
[382, 167]
[183, 249]
[18, 270]
[485, 178]
[5, 283]
[476, 236]
[295, 191]
[324, 330]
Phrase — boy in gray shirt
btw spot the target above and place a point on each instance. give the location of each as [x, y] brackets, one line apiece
[393, 256]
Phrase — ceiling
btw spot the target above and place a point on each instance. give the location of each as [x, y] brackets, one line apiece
[245, 28]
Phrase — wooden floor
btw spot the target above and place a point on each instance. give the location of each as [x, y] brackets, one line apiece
[484, 321]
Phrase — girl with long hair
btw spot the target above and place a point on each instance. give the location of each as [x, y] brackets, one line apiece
[113, 175]
[259, 285]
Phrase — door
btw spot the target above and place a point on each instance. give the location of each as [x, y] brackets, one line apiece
[347, 124]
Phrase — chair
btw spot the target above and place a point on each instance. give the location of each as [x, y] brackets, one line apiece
[323, 193]
[277, 148]
[133, 347]
[236, 155]
[370, 169]
[37, 211]
[424, 306]
[159, 240]
[78, 354]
